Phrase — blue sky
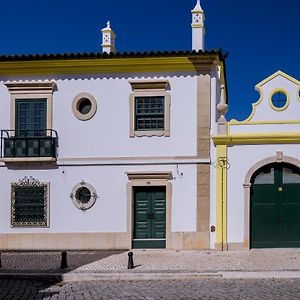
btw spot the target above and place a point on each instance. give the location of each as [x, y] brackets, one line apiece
[260, 36]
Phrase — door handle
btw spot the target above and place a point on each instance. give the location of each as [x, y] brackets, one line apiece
[279, 220]
[151, 216]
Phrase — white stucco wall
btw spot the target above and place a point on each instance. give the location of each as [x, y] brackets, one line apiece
[109, 214]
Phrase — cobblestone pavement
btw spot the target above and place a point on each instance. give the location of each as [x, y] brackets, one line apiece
[49, 261]
[266, 289]
[153, 261]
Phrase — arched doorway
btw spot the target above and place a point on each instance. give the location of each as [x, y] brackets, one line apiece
[275, 206]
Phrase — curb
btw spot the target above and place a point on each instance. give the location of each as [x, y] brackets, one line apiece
[71, 277]
[113, 276]
[260, 275]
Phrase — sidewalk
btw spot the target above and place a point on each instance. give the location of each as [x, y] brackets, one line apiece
[153, 264]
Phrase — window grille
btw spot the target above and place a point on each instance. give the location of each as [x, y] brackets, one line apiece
[29, 203]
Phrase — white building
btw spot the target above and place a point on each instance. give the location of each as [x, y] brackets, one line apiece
[110, 151]
[258, 171]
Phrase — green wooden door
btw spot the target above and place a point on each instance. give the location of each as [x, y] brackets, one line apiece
[149, 217]
[275, 207]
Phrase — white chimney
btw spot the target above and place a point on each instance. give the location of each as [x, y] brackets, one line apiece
[108, 39]
[198, 30]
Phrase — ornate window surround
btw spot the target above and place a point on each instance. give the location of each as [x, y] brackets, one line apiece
[31, 90]
[149, 88]
[77, 202]
[30, 182]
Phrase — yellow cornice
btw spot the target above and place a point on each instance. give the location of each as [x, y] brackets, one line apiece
[106, 65]
[257, 139]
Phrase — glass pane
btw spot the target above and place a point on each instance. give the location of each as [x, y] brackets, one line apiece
[85, 106]
[265, 177]
[149, 113]
[290, 176]
[83, 195]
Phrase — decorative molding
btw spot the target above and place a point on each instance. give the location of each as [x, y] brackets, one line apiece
[27, 160]
[138, 85]
[75, 106]
[258, 138]
[30, 183]
[76, 201]
[149, 175]
[24, 87]
[150, 93]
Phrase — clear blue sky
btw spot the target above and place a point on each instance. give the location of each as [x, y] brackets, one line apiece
[262, 36]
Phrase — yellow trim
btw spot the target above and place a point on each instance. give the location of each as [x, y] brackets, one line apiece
[221, 196]
[106, 65]
[235, 122]
[281, 90]
[197, 25]
[258, 138]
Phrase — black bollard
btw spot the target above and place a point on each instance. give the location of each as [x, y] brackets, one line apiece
[64, 264]
[130, 260]
[0, 261]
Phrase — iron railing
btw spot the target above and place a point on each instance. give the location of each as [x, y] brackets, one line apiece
[29, 143]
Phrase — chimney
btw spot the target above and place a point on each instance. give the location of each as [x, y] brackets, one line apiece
[198, 30]
[108, 39]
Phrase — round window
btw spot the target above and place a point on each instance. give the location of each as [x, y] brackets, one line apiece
[279, 100]
[83, 195]
[84, 106]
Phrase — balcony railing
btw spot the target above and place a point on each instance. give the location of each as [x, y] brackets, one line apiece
[29, 143]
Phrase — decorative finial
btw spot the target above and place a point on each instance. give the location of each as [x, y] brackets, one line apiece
[222, 109]
[198, 7]
[108, 24]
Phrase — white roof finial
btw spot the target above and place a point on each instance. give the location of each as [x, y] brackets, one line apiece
[108, 24]
[198, 7]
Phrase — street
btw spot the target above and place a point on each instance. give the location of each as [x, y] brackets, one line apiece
[212, 288]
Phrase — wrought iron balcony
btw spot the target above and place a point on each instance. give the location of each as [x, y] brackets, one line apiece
[29, 144]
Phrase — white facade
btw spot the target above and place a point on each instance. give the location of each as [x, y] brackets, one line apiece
[101, 152]
[268, 137]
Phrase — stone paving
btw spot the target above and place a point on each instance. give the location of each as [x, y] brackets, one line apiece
[267, 289]
[153, 261]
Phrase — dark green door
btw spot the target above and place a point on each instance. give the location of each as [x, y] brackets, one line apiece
[149, 217]
[275, 207]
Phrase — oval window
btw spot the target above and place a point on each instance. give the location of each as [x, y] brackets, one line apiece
[279, 99]
[84, 106]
